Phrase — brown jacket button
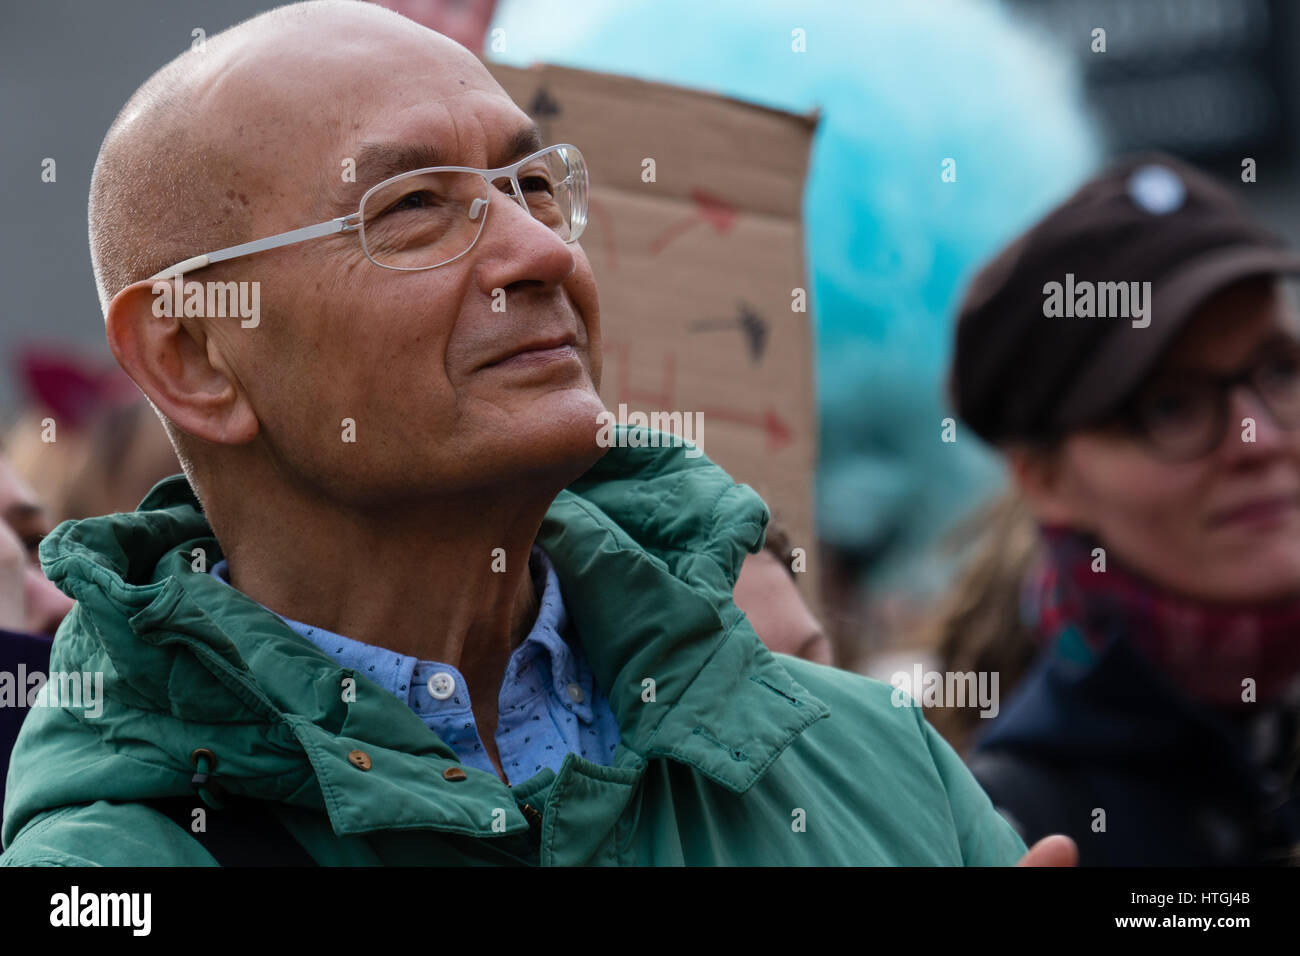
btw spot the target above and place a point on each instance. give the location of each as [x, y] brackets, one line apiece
[453, 773]
[359, 759]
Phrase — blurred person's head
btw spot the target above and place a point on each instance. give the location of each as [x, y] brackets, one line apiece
[1224, 524]
[766, 591]
[1172, 437]
[444, 394]
[86, 437]
[1134, 357]
[128, 452]
[28, 601]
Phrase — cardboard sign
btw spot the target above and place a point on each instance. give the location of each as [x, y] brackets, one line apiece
[695, 238]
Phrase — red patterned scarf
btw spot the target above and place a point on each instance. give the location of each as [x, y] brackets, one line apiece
[1207, 649]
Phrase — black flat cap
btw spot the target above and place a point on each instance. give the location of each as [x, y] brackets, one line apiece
[1060, 328]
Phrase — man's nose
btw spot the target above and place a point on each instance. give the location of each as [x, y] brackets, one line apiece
[518, 247]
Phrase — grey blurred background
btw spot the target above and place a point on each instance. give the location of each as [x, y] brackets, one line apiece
[66, 68]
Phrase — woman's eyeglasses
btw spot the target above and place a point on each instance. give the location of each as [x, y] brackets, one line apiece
[1182, 416]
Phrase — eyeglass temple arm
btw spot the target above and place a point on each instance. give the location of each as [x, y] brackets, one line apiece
[258, 245]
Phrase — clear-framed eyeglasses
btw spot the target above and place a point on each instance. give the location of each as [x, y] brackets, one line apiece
[429, 217]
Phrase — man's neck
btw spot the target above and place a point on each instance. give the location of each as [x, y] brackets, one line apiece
[447, 581]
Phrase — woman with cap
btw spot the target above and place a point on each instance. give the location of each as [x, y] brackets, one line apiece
[1135, 358]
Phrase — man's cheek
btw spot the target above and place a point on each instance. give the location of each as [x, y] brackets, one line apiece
[595, 347]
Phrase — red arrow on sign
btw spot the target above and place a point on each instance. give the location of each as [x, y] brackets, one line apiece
[709, 209]
[778, 433]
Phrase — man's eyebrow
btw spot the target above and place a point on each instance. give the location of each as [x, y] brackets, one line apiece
[379, 161]
[524, 141]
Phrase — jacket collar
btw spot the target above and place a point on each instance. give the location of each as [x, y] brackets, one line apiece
[648, 545]
[647, 550]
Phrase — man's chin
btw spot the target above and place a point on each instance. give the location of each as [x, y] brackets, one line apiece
[562, 427]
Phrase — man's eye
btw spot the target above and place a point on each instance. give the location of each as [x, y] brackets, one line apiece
[535, 184]
[32, 543]
[420, 199]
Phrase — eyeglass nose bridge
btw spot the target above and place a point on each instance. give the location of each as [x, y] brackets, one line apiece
[1223, 415]
[1244, 381]
[516, 191]
[1224, 408]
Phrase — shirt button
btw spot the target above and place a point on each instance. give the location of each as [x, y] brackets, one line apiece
[442, 685]
[453, 773]
[359, 759]
[575, 692]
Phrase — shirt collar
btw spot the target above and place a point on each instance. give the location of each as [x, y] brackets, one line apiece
[547, 636]
[395, 672]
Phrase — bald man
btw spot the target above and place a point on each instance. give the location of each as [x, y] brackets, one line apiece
[403, 607]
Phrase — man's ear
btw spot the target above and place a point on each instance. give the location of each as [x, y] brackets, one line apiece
[1039, 474]
[178, 366]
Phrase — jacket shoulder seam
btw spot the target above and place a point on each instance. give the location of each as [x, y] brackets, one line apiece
[35, 827]
[58, 858]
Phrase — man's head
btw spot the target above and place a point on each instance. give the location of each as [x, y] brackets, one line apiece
[254, 135]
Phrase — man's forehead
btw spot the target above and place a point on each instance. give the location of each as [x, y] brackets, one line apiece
[354, 83]
[482, 131]
[379, 160]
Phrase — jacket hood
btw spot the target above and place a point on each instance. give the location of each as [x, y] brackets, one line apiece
[647, 546]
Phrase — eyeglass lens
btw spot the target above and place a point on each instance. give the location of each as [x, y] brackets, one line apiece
[422, 220]
[1184, 417]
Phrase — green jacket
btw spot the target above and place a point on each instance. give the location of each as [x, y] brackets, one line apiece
[741, 757]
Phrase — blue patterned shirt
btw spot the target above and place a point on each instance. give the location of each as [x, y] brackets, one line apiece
[548, 704]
